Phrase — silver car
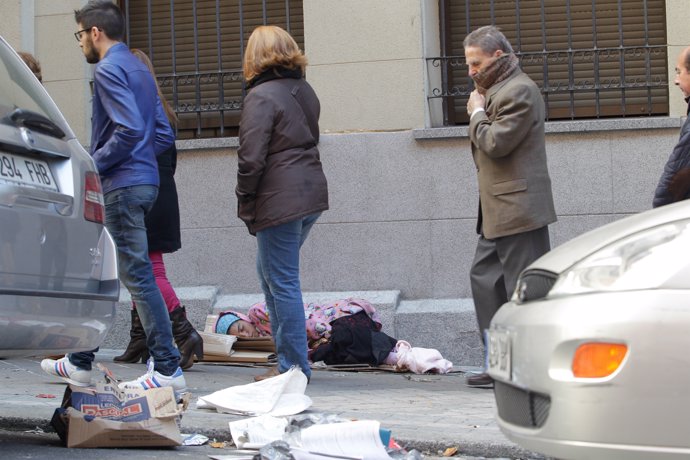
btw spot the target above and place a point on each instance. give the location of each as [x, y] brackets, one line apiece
[591, 356]
[58, 263]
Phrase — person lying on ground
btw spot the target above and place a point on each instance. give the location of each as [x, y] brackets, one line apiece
[346, 331]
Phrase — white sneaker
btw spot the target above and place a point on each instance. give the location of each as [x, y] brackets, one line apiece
[67, 371]
[154, 379]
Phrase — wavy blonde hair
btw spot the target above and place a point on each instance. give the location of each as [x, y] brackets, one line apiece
[268, 47]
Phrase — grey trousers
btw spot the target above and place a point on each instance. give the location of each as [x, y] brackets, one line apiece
[496, 267]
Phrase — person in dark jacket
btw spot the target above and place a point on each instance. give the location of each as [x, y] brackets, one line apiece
[163, 235]
[281, 188]
[674, 184]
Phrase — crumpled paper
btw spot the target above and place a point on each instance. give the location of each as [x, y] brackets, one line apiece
[278, 396]
[255, 432]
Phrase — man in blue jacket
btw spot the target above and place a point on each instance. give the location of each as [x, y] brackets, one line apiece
[129, 129]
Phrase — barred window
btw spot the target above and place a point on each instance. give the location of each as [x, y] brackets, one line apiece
[591, 58]
[197, 46]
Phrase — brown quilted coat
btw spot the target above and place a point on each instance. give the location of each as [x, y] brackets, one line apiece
[279, 175]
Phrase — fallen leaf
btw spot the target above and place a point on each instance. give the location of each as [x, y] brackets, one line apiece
[449, 452]
[218, 444]
[45, 395]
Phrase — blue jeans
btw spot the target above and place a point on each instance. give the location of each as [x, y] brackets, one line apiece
[125, 209]
[277, 264]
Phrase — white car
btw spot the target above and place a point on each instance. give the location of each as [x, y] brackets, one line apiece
[58, 263]
[591, 357]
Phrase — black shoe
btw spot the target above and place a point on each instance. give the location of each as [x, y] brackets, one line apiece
[480, 380]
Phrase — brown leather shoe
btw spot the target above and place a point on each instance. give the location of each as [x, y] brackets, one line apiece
[272, 372]
[482, 380]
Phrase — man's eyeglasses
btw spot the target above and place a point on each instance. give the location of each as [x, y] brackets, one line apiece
[78, 33]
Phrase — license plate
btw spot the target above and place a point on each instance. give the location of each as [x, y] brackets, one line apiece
[26, 171]
[499, 354]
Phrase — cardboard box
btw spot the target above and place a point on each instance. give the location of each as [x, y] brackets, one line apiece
[106, 416]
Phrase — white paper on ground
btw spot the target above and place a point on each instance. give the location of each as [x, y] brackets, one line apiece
[290, 404]
[255, 432]
[358, 439]
[284, 393]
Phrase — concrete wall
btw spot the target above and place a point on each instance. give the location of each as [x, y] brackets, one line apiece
[66, 74]
[367, 66]
[403, 209]
[12, 24]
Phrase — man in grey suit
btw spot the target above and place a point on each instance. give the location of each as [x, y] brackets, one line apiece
[515, 202]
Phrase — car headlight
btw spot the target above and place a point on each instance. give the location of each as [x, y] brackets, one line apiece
[644, 260]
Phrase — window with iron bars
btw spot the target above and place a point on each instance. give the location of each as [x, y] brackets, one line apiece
[591, 58]
[197, 47]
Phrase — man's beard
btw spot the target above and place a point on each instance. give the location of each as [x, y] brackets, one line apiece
[90, 53]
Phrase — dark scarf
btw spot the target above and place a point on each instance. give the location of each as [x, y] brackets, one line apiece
[501, 68]
[274, 73]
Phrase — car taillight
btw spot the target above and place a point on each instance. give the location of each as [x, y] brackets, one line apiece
[598, 359]
[94, 210]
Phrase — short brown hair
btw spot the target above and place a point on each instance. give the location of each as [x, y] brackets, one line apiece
[269, 47]
[33, 64]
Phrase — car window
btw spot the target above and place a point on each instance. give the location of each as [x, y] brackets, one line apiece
[19, 88]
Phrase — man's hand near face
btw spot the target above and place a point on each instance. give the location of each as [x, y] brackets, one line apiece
[476, 101]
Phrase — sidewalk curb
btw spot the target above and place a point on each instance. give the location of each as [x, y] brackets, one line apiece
[469, 448]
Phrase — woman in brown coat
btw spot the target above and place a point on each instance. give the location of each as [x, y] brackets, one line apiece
[281, 188]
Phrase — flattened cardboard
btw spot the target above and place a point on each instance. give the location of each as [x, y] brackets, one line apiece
[242, 356]
[255, 343]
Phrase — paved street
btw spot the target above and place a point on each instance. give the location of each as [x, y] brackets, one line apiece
[426, 412]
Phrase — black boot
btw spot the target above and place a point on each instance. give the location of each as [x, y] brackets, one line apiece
[136, 349]
[188, 340]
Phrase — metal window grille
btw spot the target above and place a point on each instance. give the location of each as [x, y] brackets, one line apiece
[197, 47]
[591, 58]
